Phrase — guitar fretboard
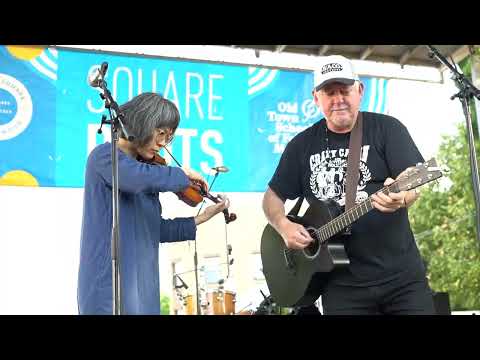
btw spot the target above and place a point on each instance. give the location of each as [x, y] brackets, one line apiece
[342, 221]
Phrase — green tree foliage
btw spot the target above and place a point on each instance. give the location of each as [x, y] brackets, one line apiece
[164, 305]
[443, 221]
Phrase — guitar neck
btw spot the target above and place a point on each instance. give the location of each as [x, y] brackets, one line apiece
[344, 220]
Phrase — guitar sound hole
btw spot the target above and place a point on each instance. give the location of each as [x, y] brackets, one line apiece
[314, 247]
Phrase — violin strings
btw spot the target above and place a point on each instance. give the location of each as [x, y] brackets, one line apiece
[209, 187]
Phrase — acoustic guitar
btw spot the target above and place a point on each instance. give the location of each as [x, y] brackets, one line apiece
[297, 277]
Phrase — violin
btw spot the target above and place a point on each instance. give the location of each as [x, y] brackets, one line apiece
[195, 192]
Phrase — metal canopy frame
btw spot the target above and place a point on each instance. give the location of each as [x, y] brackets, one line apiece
[398, 54]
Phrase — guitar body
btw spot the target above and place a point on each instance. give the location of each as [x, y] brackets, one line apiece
[297, 277]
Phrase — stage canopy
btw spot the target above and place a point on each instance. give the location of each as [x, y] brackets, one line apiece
[399, 54]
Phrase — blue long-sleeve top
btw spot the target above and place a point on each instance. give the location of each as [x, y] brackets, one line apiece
[141, 230]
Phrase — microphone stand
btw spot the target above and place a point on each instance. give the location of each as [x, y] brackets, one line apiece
[183, 284]
[115, 122]
[466, 93]
[195, 257]
[197, 290]
[228, 218]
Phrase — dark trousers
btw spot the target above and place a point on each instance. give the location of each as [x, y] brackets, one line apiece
[412, 297]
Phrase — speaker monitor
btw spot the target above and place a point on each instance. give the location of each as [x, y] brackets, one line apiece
[441, 301]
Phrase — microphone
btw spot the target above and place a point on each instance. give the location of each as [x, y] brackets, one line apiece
[96, 77]
[223, 169]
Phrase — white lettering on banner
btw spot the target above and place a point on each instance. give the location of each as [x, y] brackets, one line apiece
[286, 117]
[207, 149]
[154, 81]
[291, 108]
[212, 98]
[94, 139]
[195, 96]
[287, 137]
[278, 148]
[274, 138]
[290, 128]
[171, 85]
[126, 79]
[273, 116]
[186, 134]
[13, 126]
[140, 82]
[115, 81]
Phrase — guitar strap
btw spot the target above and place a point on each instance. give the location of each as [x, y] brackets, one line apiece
[296, 207]
[353, 162]
[352, 167]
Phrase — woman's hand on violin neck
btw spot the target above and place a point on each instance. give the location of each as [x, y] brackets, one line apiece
[193, 175]
[213, 210]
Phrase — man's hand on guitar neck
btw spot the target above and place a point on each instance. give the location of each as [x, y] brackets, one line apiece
[394, 201]
[294, 235]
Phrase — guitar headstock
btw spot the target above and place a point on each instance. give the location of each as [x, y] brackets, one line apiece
[419, 175]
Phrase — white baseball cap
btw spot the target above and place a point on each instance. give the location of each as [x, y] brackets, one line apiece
[334, 68]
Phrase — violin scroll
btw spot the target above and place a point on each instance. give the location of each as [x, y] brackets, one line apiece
[229, 217]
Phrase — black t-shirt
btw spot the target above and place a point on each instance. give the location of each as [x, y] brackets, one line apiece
[381, 246]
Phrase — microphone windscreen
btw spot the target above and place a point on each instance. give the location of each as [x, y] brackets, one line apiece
[223, 169]
[94, 78]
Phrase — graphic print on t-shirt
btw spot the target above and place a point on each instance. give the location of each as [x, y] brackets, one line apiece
[328, 175]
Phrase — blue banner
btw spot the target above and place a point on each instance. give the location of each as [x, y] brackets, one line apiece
[233, 115]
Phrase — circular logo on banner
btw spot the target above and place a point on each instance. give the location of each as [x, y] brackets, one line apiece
[310, 109]
[15, 107]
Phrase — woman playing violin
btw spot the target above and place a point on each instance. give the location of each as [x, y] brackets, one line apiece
[152, 120]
